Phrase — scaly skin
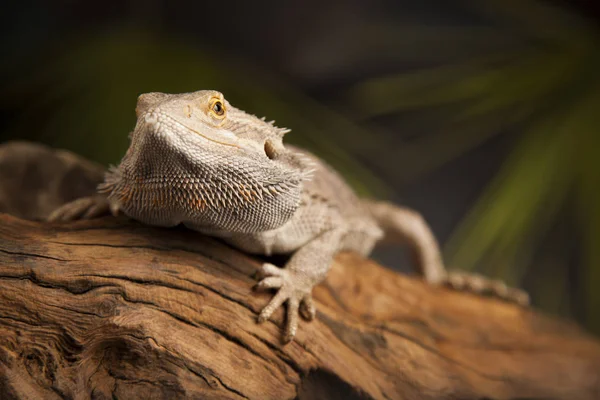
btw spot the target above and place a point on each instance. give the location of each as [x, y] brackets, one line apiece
[196, 160]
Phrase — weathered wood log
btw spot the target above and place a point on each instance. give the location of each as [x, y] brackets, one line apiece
[110, 308]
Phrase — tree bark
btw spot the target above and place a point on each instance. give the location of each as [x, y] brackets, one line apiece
[110, 308]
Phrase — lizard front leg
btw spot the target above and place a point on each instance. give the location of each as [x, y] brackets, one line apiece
[307, 267]
[84, 208]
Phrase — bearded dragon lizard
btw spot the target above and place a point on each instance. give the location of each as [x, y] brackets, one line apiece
[196, 160]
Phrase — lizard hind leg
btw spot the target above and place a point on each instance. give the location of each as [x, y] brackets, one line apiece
[403, 225]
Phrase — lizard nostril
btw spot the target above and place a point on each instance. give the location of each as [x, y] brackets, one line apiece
[270, 150]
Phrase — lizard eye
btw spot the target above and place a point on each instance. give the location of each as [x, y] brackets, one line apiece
[217, 108]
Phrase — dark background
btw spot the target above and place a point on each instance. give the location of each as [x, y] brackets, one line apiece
[480, 114]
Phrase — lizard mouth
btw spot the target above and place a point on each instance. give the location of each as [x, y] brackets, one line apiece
[209, 138]
[159, 120]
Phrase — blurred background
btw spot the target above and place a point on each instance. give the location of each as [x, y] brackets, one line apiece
[484, 115]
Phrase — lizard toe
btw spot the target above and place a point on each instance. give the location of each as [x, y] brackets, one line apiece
[481, 285]
[519, 296]
[307, 308]
[71, 211]
[273, 305]
[270, 282]
[268, 269]
[291, 326]
[96, 210]
[83, 208]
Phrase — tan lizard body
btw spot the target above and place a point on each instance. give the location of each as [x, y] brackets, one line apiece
[196, 160]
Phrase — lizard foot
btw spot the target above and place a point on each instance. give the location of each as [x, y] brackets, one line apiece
[482, 285]
[291, 290]
[83, 208]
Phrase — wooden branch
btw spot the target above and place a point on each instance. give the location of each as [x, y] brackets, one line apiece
[112, 309]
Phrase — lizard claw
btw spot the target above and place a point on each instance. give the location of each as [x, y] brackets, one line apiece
[299, 299]
[307, 308]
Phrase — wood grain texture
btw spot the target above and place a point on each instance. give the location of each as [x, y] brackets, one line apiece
[112, 309]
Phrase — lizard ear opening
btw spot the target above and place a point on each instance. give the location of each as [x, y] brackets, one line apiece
[270, 150]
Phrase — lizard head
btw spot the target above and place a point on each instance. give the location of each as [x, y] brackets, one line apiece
[226, 169]
[206, 113]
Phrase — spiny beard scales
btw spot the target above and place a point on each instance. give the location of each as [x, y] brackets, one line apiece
[158, 184]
